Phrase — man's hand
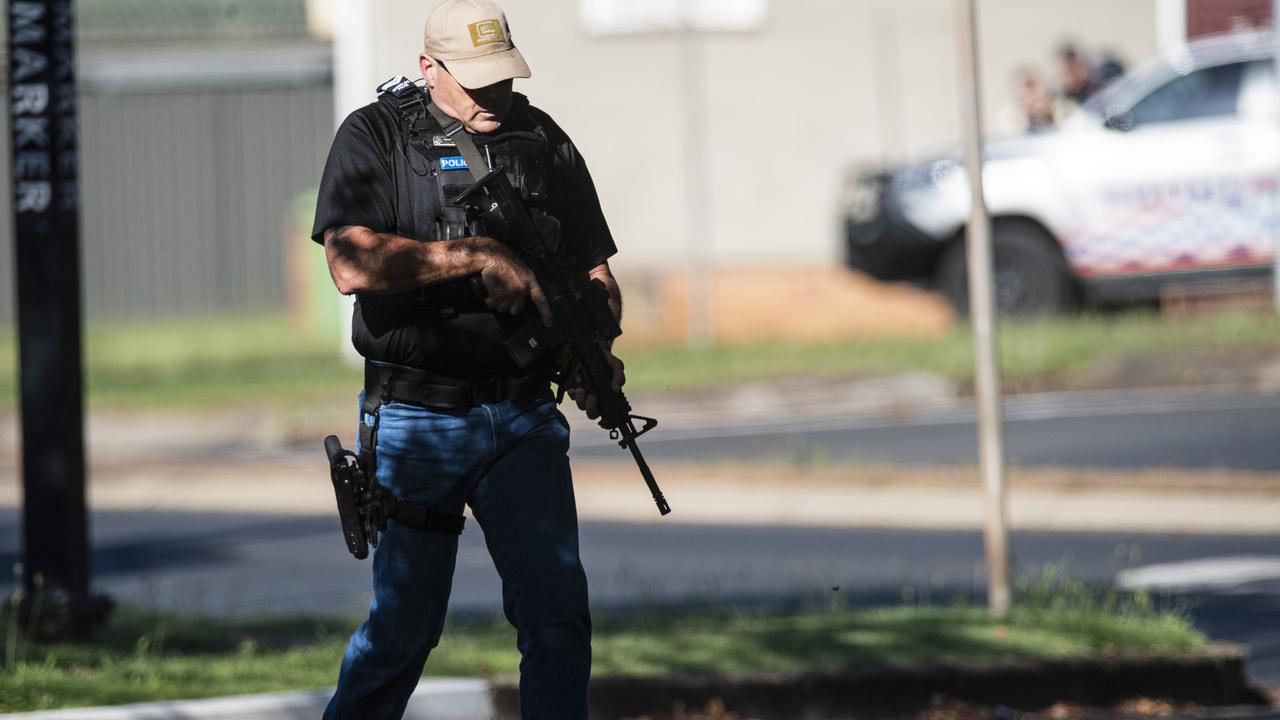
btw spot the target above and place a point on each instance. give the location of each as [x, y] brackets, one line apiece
[588, 403]
[508, 281]
[602, 275]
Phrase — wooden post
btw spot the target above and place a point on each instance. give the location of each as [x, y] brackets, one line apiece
[982, 315]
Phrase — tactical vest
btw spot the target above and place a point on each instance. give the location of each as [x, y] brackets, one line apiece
[430, 173]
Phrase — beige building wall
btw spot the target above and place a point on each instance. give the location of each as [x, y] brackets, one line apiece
[822, 86]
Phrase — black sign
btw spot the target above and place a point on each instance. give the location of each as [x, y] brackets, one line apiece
[43, 108]
[43, 104]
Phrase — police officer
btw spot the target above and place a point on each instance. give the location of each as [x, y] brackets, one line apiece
[448, 416]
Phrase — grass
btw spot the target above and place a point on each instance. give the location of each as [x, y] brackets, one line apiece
[201, 362]
[1053, 351]
[143, 656]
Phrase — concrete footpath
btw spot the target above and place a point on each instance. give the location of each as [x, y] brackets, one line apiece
[867, 496]
[434, 699]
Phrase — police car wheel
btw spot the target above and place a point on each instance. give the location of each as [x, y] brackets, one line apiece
[1032, 276]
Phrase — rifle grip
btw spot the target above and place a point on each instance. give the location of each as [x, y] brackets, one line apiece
[596, 300]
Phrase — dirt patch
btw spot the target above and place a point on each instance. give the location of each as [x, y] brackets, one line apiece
[1236, 367]
[749, 303]
[950, 709]
[1186, 685]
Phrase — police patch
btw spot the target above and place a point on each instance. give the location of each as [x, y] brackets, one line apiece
[442, 141]
[453, 162]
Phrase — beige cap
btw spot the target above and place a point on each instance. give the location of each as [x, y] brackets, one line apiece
[472, 39]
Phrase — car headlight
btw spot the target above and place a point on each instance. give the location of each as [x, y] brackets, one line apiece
[941, 170]
[925, 176]
[862, 199]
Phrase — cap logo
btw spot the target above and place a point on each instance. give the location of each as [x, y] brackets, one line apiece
[486, 32]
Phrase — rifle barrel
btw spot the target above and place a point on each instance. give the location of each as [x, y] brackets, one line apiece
[658, 498]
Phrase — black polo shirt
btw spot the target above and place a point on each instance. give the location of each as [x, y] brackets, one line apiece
[360, 188]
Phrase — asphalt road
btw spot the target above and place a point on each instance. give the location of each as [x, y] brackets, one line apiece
[244, 565]
[1113, 430]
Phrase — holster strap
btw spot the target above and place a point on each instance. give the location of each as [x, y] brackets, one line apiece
[423, 518]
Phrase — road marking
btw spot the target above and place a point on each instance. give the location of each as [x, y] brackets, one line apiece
[1217, 573]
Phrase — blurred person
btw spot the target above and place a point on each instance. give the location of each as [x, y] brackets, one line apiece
[1109, 68]
[446, 414]
[1076, 79]
[1031, 110]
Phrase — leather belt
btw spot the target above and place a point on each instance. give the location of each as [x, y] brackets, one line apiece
[396, 383]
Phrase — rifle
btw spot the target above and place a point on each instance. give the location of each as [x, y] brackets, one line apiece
[581, 314]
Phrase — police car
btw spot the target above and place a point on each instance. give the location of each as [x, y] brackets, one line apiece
[1167, 175]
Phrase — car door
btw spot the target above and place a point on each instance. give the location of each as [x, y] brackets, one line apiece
[1171, 185]
[1256, 225]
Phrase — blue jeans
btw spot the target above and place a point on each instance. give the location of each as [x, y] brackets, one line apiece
[516, 454]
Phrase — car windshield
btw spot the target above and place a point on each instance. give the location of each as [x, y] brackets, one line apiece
[1202, 93]
[1219, 51]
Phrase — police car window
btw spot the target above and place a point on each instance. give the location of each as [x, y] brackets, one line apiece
[1203, 93]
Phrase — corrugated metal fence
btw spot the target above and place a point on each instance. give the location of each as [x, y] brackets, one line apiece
[191, 164]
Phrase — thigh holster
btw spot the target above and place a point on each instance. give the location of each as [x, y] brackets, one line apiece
[413, 515]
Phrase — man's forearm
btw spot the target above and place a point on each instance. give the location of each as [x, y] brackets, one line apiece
[604, 275]
[361, 260]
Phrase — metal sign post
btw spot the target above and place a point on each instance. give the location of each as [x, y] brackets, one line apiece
[982, 315]
[43, 110]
